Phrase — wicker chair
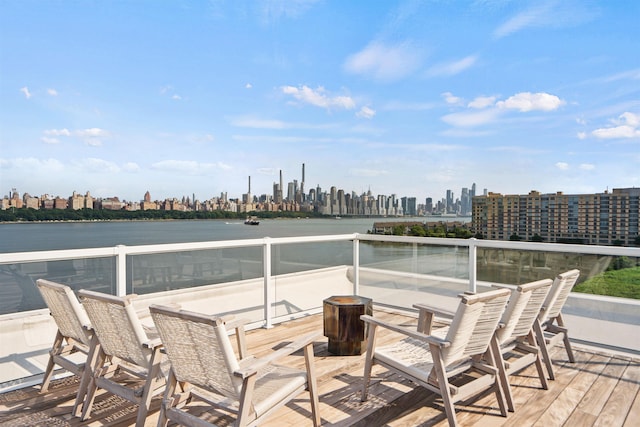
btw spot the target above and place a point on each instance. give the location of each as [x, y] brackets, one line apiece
[205, 366]
[126, 352]
[74, 336]
[431, 361]
[518, 346]
[549, 334]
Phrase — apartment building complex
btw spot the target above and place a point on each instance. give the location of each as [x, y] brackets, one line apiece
[609, 218]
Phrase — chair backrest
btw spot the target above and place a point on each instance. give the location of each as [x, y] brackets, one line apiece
[523, 309]
[117, 326]
[69, 315]
[474, 324]
[199, 349]
[560, 290]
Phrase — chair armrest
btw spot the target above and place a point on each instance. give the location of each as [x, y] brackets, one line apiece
[405, 330]
[292, 347]
[143, 312]
[436, 311]
[231, 323]
[238, 324]
[152, 343]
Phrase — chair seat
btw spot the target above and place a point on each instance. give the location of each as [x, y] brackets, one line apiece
[413, 356]
[407, 355]
[275, 385]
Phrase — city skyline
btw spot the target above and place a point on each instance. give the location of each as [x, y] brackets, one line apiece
[407, 98]
[297, 193]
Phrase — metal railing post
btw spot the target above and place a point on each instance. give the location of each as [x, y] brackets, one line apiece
[268, 300]
[473, 252]
[121, 270]
[356, 266]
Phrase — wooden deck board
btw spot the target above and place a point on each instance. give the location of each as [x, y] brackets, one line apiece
[599, 389]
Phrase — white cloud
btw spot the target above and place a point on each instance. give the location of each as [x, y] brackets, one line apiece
[52, 92]
[562, 165]
[92, 136]
[471, 119]
[57, 132]
[366, 113]
[26, 92]
[131, 167]
[527, 101]
[616, 132]
[451, 99]
[176, 97]
[248, 86]
[32, 163]
[527, 18]
[547, 13]
[318, 97]
[94, 165]
[625, 126]
[582, 135]
[91, 133]
[452, 68]
[482, 102]
[625, 75]
[587, 166]
[384, 62]
[630, 119]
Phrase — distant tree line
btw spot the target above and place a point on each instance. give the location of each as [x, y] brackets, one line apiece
[431, 230]
[28, 215]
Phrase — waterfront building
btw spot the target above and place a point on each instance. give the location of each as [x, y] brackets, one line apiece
[30, 202]
[609, 218]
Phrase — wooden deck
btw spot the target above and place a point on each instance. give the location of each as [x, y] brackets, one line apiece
[599, 389]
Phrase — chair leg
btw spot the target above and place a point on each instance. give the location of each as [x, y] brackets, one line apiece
[48, 373]
[541, 375]
[245, 401]
[312, 383]
[449, 409]
[87, 374]
[149, 386]
[167, 400]
[368, 363]
[543, 349]
[503, 376]
[533, 343]
[567, 343]
[93, 386]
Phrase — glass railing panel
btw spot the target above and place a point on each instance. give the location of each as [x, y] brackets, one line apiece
[402, 274]
[167, 271]
[297, 257]
[18, 291]
[306, 273]
[599, 274]
[616, 276]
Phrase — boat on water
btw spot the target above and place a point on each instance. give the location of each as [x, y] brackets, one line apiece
[252, 220]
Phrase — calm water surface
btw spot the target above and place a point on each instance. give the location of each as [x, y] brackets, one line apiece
[26, 237]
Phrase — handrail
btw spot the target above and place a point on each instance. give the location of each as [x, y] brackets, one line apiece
[120, 253]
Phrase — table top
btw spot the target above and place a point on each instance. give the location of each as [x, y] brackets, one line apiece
[347, 300]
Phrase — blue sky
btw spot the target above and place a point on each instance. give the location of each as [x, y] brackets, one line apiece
[401, 97]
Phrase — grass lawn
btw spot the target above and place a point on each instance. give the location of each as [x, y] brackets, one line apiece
[616, 283]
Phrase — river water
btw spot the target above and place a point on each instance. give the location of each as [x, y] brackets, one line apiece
[26, 237]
